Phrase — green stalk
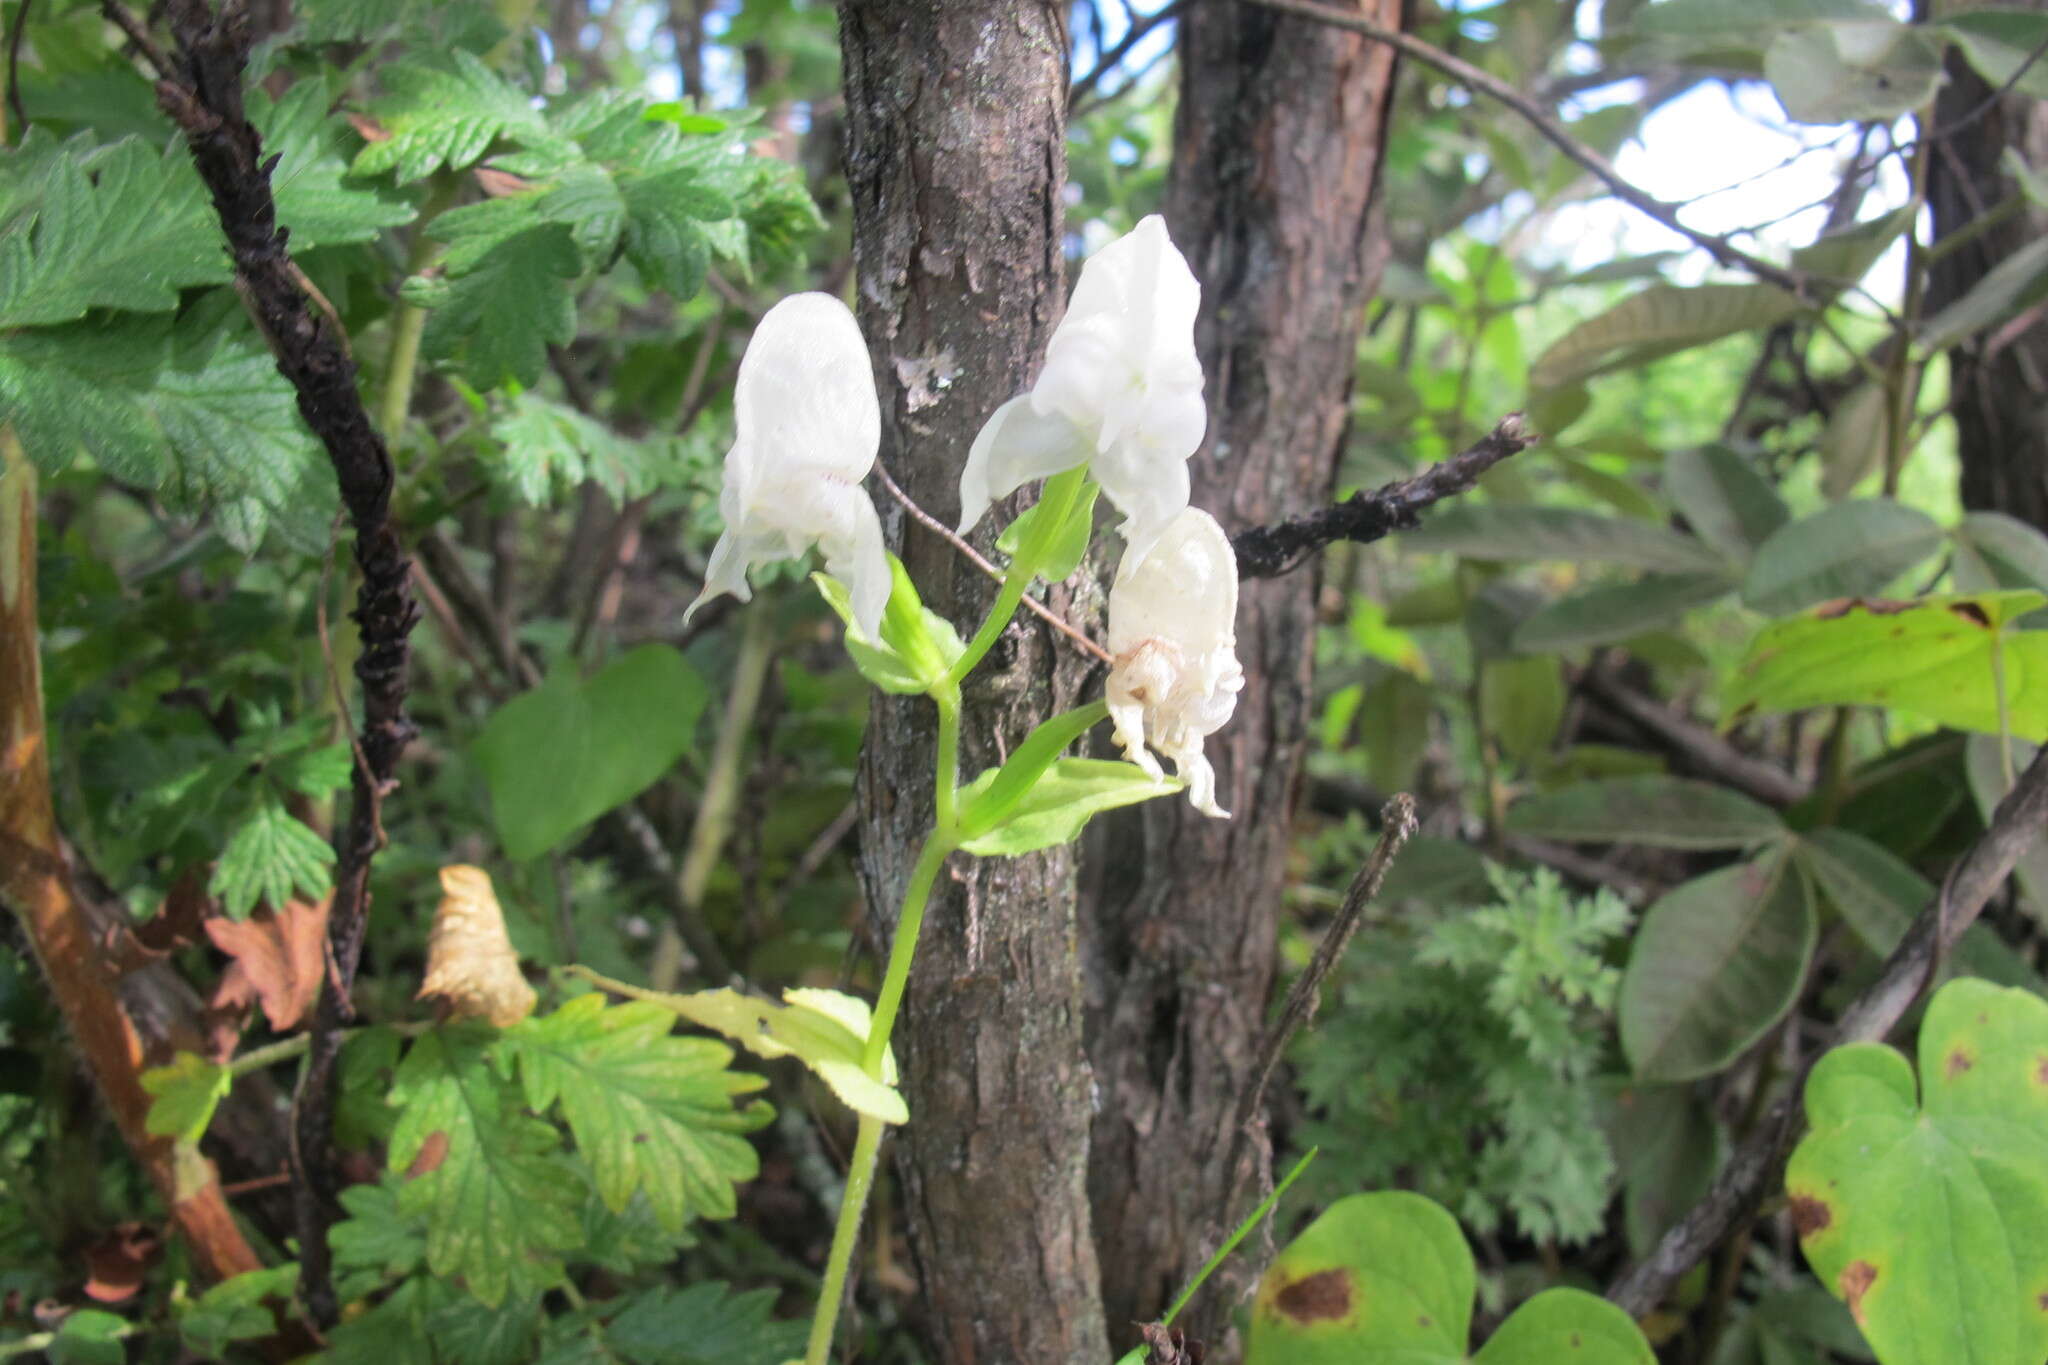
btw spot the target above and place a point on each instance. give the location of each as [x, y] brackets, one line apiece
[1056, 503]
[860, 1178]
[409, 323]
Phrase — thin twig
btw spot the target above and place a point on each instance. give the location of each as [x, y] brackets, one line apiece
[1990, 101]
[1755, 1169]
[980, 561]
[1397, 826]
[1699, 746]
[1369, 515]
[1113, 58]
[118, 15]
[1552, 131]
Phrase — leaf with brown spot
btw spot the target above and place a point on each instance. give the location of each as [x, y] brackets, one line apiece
[1936, 1182]
[1325, 1294]
[433, 1151]
[1809, 1214]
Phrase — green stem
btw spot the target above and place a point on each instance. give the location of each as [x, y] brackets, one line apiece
[946, 791]
[860, 1178]
[904, 948]
[1054, 506]
[409, 323]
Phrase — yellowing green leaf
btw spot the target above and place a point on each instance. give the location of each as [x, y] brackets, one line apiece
[187, 1091]
[1944, 659]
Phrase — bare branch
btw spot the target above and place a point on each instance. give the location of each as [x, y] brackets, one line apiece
[200, 87]
[1110, 60]
[1553, 132]
[1369, 515]
[1757, 1166]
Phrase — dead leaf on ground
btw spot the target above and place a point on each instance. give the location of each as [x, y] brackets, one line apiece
[118, 1262]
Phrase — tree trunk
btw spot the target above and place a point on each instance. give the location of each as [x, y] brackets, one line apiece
[1276, 159]
[1998, 381]
[956, 127]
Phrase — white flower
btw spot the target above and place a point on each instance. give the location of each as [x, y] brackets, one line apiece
[1121, 391]
[1172, 628]
[808, 427]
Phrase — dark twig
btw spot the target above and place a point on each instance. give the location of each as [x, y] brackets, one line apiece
[1372, 514]
[201, 89]
[1110, 60]
[1757, 1166]
[14, 32]
[1397, 826]
[1552, 131]
[1699, 746]
[1990, 101]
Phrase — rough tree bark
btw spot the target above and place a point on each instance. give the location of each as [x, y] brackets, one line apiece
[955, 157]
[1999, 381]
[1276, 160]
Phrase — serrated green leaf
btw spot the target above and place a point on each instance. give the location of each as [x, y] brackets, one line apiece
[1847, 550]
[1716, 962]
[1495, 532]
[1926, 1214]
[1950, 660]
[985, 801]
[1661, 320]
[548, 449]
[376, 1236]
[496, 310]
[570, 750]
[268, 857]
[650, 1111]
[236, 1309]
[705, 1324]
[1618, 611]
[665, 239]
[445, 113]
[1657, 812]
[500, 1203]
[1387, 1279]
[1066, 797]
[129, 235]
[314, 201]
[187, 1092]
[195, 409]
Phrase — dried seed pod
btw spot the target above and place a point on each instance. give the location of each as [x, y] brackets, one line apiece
[471, 966]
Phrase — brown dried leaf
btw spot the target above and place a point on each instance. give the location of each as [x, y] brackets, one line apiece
[500, 184]
[117, 1263]
[1170, 1346]
[368, 128]
[280, 958]
[471, 966]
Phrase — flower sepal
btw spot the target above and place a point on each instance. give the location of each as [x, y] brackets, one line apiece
[1061, 544]
[917, 648]
[1065, 796]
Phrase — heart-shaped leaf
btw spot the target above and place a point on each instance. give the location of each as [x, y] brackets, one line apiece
[1927, 1213]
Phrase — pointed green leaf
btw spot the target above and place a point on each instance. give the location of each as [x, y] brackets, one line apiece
[1727, 503]
[187, 1092]
[2001, 44]
[1946, 659]
[1066, 546]
[444, 113]
[1657, 812]
[1853, 71]
[1855, 440]
[1995, 551]
[1610, 612]
[1661, 320]
[570, 750]
[1848, 550]
[995, 793]
[2016, 283]
[1064, 799]
[917, 647]
[1491, 532]
[1928, 1214]
[1716, 963]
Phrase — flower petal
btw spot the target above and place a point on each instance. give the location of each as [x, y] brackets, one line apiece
[1150, 492]
[806, 393]
[1017, 444]
[856, 557]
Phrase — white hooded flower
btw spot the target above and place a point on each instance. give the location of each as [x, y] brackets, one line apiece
[808, 426]
[1172, 629]
[1121, 391]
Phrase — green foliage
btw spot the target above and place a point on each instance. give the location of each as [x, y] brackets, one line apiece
[439, 113]
[1052, 812]
[918, 647]
[269, 857]
[1717, 961]
[1463, 1054]
[1923, 1208]
[1847, 550]
[1664, 812]
[560, 756]
[187, 1092]
[548, 449]
[1387, 1279]
[1954, 660]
